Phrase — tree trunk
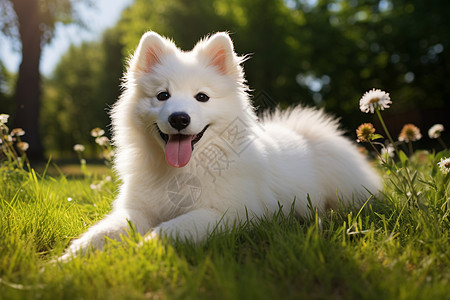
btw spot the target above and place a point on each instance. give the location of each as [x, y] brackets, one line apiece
[28, 90]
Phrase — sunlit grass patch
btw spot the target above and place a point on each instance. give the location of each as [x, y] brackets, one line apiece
[392, 249]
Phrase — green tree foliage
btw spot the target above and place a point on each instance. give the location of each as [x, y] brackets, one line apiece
[32, 22]
[400, 46]
[323, 52]
[5, 89]
[84, 84]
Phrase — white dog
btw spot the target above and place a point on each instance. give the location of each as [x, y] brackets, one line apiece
[191, 153]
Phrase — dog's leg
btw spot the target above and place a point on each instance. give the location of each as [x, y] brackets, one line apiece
[112, 226]
[194, 225]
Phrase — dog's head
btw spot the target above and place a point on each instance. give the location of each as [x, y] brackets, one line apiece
[181, 97]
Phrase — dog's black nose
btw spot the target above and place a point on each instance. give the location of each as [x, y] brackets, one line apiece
[179, 120]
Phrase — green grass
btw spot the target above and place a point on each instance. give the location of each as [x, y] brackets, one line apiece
[396, 248]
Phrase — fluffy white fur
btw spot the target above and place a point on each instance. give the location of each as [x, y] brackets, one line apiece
[242, 165]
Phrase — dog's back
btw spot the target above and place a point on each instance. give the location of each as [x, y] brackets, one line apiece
[308, 145]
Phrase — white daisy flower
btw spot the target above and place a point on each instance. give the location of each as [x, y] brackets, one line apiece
[23, 146]
[102, 140]
[97, 132]
[444, 165]
[388, 151]
[78, 148]
[17, 132]
[435, 131]
[374, 99]
[4, 118]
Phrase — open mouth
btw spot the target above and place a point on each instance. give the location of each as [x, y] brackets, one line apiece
[179, 147]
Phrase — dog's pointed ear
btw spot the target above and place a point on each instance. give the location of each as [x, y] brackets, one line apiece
[152, 47]
[219, 51]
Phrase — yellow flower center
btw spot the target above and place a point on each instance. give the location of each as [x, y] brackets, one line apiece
[410, 133]
[364, 131]
[374, 100]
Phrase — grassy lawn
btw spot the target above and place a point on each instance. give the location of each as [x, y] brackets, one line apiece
[395, 248]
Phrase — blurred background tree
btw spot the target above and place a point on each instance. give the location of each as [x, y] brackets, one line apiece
[5, 88]
[32, 22]
[325, 53]
[85, 83]
[401, 46]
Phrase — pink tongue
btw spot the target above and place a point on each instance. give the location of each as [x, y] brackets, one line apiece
[179, 150]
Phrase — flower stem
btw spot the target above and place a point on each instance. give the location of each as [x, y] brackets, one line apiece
[405, 170]
[442, 142]
[410, 148]
[376, 151]
[386, 131]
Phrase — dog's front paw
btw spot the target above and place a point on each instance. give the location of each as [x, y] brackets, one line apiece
[111, 227]
[76, 247]
[79, 246]
[151, 236]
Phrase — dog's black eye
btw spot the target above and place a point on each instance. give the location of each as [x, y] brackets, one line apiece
[201, 97]
[163, 96]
